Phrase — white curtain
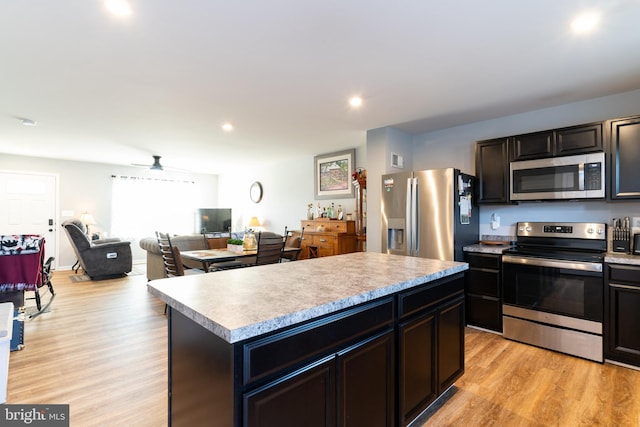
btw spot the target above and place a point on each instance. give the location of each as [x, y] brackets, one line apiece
[141, 206]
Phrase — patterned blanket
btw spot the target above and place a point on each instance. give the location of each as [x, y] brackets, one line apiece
[21, 258]
[15, 244]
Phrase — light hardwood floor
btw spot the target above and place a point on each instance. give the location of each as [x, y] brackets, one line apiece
[103, 350]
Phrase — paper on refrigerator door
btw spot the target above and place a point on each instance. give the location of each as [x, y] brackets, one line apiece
[465, 209]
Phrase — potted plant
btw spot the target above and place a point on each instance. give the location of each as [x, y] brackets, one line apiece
[235, 245]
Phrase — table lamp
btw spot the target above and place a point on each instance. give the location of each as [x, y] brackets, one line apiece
[87, 219]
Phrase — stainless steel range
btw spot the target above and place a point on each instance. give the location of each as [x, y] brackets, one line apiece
[553, 287]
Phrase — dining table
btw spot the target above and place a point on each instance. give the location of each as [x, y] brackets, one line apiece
[211, 256]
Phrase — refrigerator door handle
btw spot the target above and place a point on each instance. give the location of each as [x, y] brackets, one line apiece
[408, 218]
[415, 212]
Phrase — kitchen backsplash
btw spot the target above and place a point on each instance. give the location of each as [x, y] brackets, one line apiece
[592, 211]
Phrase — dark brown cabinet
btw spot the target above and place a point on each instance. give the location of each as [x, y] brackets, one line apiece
[533, 145]
[492, 171]
[354, 384]
[622, 314]
[342, 369]
[579, 139]
[483, 291]
[625, 158]
[431, 346]
[306, 398]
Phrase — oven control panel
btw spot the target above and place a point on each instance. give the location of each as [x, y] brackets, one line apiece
[566, 229]
[570, 230]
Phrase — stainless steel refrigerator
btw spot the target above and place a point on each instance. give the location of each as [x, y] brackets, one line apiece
[429, 213]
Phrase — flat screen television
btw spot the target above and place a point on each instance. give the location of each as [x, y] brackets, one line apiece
[213, 220]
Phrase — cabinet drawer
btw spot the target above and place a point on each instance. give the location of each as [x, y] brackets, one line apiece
[624, 273]
[323, 241]
[413, 301]
[482, 260]
[485, 312]
[288, 349]
[483, 282]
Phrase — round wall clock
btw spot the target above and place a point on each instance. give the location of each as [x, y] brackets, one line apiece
[255, 192]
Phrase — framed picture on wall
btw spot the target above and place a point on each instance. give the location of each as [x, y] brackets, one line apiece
[332, 177]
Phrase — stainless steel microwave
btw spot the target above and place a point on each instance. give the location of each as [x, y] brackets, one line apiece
[559, 178]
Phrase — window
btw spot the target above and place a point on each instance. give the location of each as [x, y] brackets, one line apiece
[141, 206]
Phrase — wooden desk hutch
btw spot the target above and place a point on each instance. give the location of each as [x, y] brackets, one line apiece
[327, 237]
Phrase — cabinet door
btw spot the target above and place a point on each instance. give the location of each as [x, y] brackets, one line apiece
[484, 312]
[450, 343]
[304, 398]
[533, 145]
[492, 171]
[417, 386]
[579, 139]
[622, 317]
[365, 385]
[625, 158]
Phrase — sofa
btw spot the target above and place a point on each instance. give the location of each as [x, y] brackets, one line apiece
[188, 242]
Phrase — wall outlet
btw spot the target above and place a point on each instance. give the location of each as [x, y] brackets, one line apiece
[495, 222]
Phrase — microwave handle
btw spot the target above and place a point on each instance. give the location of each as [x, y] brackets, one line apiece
[581, 177]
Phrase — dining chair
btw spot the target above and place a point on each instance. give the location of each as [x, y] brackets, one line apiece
[172, 258]
[292, 245]
[270, 247]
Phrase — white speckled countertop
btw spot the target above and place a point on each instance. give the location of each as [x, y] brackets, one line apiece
[487, 249]
[247, 302]
[622, 258]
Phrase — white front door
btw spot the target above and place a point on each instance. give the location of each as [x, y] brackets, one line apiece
[28, 206]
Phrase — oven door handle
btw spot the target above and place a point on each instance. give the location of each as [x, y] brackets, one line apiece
[553, 263]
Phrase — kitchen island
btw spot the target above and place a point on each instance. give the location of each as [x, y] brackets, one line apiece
[356, 339]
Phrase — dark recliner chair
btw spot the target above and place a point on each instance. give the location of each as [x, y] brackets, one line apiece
[100, 259]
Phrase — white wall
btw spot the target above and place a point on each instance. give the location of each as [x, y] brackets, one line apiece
[455, 147]
[288, 188]
[86, 186]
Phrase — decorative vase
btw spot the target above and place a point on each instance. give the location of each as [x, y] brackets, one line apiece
[309, 215]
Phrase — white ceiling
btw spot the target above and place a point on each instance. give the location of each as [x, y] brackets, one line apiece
[164, 80]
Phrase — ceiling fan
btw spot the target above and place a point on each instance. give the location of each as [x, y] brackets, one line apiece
[157, 166]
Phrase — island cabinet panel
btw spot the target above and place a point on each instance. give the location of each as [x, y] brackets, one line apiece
[366, 386]
[304, 398]
[622, 314]
[377, 363]
[201, 375]
[625, 158]
[276, 353]
[431, 345]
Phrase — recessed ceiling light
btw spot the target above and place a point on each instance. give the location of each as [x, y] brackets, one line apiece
[585, 23]
[227, 127]
[118, 7]
[355, 102]
[28, 122]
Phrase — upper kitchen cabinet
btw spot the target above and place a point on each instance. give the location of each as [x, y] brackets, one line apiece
[558, 142]
[625, 158]
[533, 145]
[579, 139]
[492, 171]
